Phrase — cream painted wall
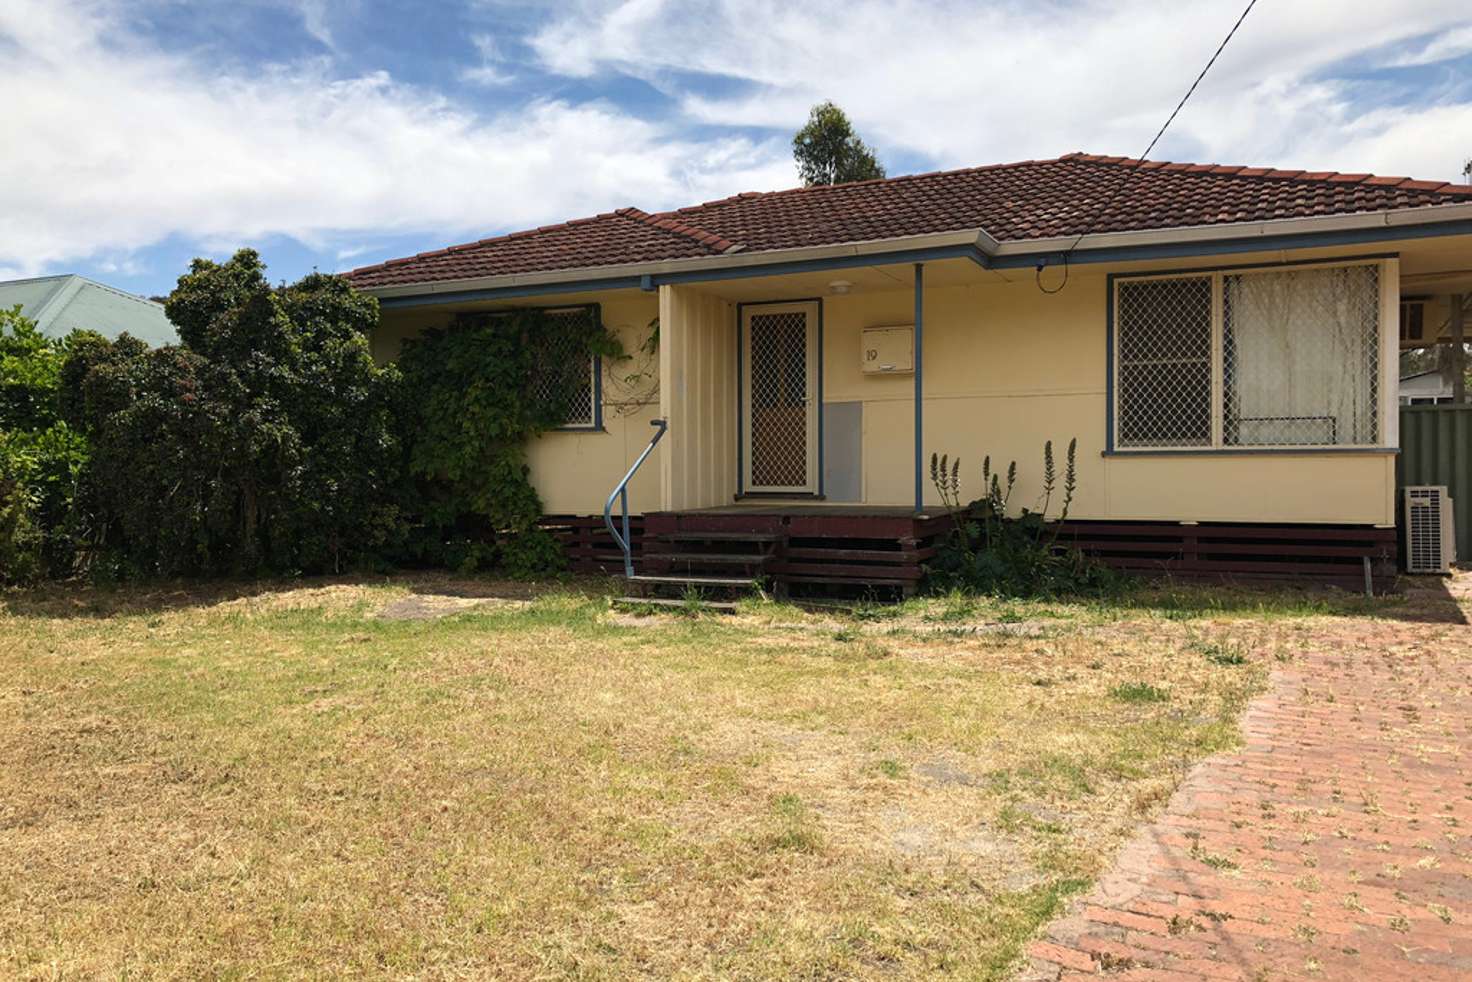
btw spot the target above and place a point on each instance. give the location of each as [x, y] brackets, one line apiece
[574, 470]
[697, 351]
[1007, 367]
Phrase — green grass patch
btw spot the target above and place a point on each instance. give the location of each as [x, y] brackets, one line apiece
[1139, 692]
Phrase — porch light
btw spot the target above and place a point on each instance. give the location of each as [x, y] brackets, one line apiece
[840, 286]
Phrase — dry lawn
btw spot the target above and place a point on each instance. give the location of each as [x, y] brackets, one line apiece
[417, 778]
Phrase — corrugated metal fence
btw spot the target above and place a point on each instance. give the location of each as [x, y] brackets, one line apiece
[1436, 448]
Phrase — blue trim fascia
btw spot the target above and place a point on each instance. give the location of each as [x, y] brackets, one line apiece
[919, 359]
[598, 373]
[1253, 451]
[741, 399]
[596, 426]
[1109, 327]
[652, 281]
[740, 403]
[819, 373]
[508, 293]
[1211, 247]
[1109, 363]
[1359, 257]
[964, 251]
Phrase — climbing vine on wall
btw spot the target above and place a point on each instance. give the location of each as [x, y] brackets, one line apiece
[475, 393]
[633, 384]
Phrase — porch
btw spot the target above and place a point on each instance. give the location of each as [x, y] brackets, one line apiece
[806, 547]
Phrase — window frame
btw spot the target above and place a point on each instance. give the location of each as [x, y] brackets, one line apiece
[595, 368]
[1386, 406]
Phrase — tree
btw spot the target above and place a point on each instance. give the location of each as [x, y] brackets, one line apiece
[829, 152]
[265, 442]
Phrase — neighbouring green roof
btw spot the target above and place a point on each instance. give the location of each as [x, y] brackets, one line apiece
[62, 304]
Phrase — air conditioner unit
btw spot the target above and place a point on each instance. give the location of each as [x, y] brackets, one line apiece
[1431, 544]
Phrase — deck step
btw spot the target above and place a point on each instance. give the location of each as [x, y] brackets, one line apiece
[685, 535]
[725, 606]
[674, 580]
[714, 558]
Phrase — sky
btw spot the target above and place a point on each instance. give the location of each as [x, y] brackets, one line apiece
[329, 134]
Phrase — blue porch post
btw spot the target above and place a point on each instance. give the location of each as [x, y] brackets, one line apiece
[919, 387]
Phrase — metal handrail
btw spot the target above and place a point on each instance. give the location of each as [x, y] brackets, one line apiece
[621, 492]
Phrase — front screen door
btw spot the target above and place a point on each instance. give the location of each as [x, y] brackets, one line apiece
[780, 405]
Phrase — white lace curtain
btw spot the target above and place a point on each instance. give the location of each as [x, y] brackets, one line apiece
[1301, 357]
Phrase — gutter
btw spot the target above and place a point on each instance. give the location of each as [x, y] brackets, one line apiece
[973, 244]
[1455, 219]
[633, 273]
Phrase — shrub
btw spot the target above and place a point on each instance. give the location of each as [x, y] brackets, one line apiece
[264, 443]
[990, 552]
[21, 540]
[41, 457]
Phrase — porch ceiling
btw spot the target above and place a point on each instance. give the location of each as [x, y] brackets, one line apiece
[1437, 266]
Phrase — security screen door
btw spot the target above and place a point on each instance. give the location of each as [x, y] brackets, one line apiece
[780, 404]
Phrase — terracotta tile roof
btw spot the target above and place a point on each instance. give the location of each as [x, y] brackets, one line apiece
[1034, 199]
[624, 236]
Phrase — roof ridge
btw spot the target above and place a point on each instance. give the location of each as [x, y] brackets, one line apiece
[37, 279]
[901, 178]
[1271, 173]
[667, 222]
[137, 297]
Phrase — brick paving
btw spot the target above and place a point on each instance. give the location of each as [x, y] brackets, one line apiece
[1333, 845]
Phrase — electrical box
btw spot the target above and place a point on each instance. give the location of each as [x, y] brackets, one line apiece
[888, 350]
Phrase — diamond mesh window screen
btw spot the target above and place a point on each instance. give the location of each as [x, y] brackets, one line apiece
[1164, 362]
[564, 377]
[779, 400]
[1301, 357]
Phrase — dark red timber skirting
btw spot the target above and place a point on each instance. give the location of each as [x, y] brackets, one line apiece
[815, 548]
[1222, 550]
[589, 547]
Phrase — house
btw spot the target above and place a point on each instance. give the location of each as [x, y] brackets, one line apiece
[1425, 389]
[65, 303]
[1220, 341]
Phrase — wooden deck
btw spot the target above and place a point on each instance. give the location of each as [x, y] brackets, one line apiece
[799, 547]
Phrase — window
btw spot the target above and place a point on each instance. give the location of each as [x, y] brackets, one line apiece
[562, 380]
[1165, 362]
[1412, 321]
[567, 379]
[1286, 357]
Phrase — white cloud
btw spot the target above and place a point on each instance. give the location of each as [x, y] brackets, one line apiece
[314, 15]
[489, 72]
[1441, 47]
[962, 83]
[125, 145]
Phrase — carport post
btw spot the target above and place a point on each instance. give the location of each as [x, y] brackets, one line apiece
[1459, 351]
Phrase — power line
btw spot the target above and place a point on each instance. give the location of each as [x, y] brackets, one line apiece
[1146, 155]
